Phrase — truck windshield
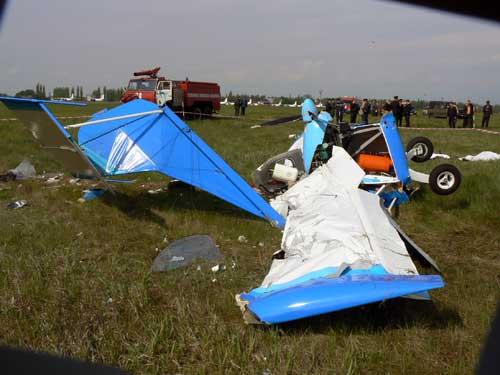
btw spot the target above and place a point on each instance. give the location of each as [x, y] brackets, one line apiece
[139, 84]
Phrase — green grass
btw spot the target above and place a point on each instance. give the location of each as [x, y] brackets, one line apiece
[62, 261]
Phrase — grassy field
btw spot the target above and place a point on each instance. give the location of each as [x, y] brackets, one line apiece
[75, 277]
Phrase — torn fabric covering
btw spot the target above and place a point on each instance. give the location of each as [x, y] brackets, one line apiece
[340, 250]
[162, 142]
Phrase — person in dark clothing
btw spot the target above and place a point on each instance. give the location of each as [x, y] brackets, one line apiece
[452, 115]
[365, 111]
[468, 114]
[329, 107]
[244, 104]
[487, 112]
[237, 105]
[339, 110]
[396, 110]
[407, 108]
[354, 110]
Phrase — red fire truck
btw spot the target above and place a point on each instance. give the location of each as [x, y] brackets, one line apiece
[188, 96]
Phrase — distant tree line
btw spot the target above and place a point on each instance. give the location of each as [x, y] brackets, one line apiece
[39, 92]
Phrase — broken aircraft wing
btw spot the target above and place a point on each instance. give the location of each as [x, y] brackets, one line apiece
[140, 137]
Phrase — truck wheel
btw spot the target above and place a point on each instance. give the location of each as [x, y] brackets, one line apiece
[207, 110]
[198, 115]
[445, 179]
[425, 147]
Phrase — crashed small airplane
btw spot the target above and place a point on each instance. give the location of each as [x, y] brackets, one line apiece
[340, 247]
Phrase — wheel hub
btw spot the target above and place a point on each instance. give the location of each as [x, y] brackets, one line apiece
[445, 180]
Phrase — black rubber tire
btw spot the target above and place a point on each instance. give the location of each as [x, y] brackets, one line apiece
[445, 179]
[262, 176]
[198, 114]
[427, 146]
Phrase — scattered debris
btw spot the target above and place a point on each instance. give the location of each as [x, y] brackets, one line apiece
[155, 191]
[74, 181]
[443, 156]
[255, 126]
[54, 179]
[91, 194]
[17, 204]
[242, 239]
[218, 267]
[24, 170]
[482, 156]
[189, 249]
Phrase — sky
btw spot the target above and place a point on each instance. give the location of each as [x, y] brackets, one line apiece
[367, 48]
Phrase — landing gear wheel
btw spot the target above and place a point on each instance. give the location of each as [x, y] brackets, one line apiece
[262, 177]
[425, 147]
[445, 179]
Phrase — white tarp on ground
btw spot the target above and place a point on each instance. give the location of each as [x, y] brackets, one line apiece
[333, 224]
[482, 156]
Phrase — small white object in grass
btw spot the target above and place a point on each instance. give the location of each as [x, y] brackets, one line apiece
[73, 181]
[255, 127]
[242, 239]
[110, 300]
[443, 156]
[261, 244]
[290, 136]
[214, 280]
[218, 267]
[79, 234]
[176, 259]
[198, 268]
[233, 265]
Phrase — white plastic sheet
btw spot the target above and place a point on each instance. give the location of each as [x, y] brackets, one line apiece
[482, 156]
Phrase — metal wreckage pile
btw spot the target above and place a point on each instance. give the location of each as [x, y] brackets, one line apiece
[340, 246]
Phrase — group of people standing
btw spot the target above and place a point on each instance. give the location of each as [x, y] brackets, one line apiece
[240, 106]
[337, 109]
[468, 114]
[401, 109]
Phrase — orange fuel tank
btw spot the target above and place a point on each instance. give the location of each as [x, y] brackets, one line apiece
[374, 163]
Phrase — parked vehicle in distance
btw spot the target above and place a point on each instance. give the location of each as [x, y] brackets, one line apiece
[188, 96]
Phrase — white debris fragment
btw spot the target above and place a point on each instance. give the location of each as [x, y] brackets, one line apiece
[442, 156]
[242, 239]
[291, 136]
[176, 259]
[156, 191]
[218, 267]
[255, 126]
[198, 268]
[110, 300]
[73, 181]
[233, 265]
[261, 244]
